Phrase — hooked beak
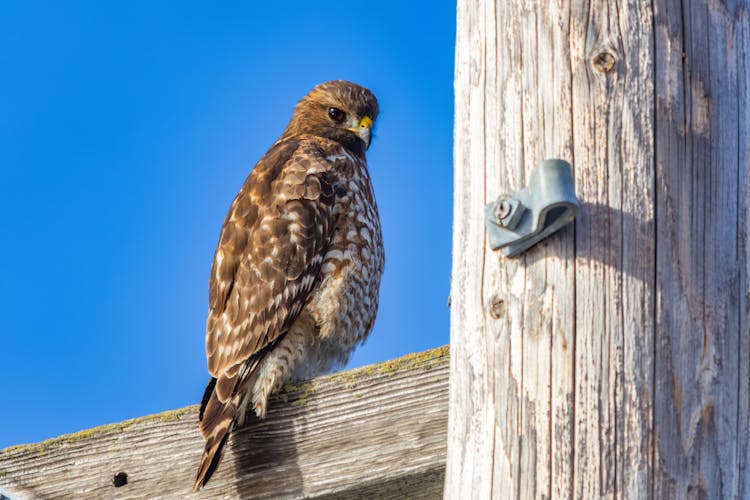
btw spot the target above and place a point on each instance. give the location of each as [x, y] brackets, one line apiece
[364, 130]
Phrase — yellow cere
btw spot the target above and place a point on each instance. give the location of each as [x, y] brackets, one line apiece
[365, 122]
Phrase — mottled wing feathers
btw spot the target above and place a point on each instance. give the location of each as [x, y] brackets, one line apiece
[241, 220]
[269, 254]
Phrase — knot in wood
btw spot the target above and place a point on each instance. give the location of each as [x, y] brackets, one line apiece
[497, 308]
[603, 62]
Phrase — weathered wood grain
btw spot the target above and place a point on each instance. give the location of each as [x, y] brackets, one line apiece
[375, 432]
[611, 360]
[613, 154]
[703, 137]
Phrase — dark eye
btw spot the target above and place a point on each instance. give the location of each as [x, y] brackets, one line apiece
[336, 115]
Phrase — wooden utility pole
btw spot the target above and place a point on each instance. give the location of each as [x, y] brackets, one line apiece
[613, 359]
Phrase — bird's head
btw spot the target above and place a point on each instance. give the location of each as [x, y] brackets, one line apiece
[338, 110]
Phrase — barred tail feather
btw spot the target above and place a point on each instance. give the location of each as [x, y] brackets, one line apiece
[209, 462]
[216, 421]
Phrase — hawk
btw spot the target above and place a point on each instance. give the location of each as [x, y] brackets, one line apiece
[295, 278]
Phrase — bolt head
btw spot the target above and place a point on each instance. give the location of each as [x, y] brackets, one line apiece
[503, 209]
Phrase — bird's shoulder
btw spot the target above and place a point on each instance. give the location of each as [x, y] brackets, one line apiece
[291, 164]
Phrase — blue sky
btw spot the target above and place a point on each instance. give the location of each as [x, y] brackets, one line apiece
[126, 129]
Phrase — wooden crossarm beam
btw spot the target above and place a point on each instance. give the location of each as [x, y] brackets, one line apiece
[377, 432]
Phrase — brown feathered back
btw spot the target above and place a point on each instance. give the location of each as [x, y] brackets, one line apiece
[254, 299]
[272, 245]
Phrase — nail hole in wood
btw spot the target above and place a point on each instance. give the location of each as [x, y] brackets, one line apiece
[603, 62]
[120, 479]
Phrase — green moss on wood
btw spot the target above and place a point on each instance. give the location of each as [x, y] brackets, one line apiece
[425, 360]
[298, 394]
[42, 447]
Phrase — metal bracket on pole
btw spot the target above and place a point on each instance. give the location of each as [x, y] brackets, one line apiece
[518, 221]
